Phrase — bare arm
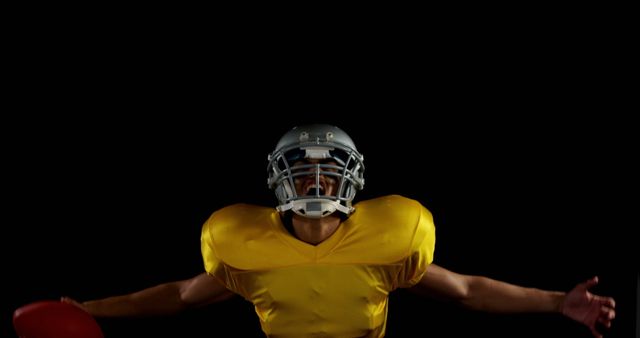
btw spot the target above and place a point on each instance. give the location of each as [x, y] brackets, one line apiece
[163, 299]
[486, 294]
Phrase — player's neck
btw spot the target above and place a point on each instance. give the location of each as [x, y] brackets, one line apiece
[314, 230]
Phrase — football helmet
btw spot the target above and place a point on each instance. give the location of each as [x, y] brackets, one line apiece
[319, 155]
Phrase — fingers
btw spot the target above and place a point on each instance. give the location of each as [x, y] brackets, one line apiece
[589, 283]
[608, 302]
[607, 307]
[599, 327]
[603, 322]
[72, 302]
[606, 315]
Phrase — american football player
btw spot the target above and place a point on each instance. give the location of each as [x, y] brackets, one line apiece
[320, 265]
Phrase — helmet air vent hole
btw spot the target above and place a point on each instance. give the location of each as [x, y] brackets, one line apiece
[304, 136]
[329, 136]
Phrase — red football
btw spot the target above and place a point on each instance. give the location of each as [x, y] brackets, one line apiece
[54, 319]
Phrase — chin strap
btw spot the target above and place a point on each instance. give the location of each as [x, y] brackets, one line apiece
[315, 207]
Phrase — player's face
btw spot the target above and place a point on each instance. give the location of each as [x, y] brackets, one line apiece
[306, 184]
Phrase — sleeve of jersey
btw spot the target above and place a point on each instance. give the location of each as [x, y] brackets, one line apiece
[212, 264]
[421, 251]
[209, 256]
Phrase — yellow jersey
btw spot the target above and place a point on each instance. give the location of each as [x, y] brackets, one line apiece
[337, 288]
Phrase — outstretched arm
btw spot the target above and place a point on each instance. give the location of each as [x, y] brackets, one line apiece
[163, 299]
[486, 294]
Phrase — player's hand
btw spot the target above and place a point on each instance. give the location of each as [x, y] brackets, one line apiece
[591, 310]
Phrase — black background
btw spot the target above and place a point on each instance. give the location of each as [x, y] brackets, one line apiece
[114, 157]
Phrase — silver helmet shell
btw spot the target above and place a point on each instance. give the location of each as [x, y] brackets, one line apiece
[320, 142]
